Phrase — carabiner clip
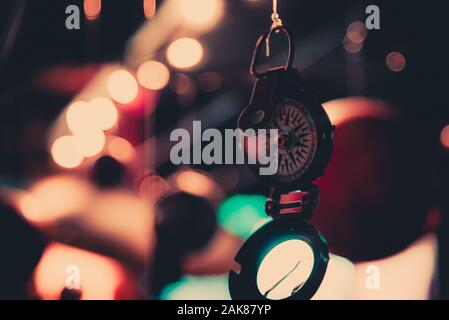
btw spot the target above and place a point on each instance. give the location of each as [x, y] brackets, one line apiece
[265, 39]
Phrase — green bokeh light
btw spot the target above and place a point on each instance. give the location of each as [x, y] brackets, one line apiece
[241, 215]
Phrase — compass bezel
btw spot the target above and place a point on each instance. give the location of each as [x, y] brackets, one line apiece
[243, 285]
[286, 86]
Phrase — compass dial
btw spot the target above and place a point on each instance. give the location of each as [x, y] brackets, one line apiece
[297, 140]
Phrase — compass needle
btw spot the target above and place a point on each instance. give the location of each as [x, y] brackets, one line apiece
[282, 279]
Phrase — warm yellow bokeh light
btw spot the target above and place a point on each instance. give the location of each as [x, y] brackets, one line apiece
[120, 149]
[90, 143]
[103, 112]
[54, 198]
[185, 53]
[99, 277]
[153, 75]
[65, 152]
[122, 86]
[195, 183]
[201, 11]
[99, 114]
[78, 117]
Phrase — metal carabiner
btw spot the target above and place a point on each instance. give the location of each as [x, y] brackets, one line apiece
[265, 38]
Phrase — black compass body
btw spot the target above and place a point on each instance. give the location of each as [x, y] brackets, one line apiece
[279, 101]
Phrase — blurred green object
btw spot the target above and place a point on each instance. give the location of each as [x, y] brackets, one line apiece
[242, 214]
[197, 288]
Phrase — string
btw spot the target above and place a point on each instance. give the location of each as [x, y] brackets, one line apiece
[277, 22]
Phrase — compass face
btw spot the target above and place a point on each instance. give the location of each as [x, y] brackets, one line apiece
[297, 140]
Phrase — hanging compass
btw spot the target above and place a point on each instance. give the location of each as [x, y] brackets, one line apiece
[288, 257]
[279, 101]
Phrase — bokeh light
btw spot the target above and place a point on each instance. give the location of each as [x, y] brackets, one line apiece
[153, 75]
[352, 47]
[209, 81]
[356, 32]
[78, 116]
[444, 137]
[185, 53]
[152, 187]
[149, 8]
[120, 149]
[122, 86]
[182, 84]
[99, 114]
[100, 277]
[195, 183]
[202, 12]
[89, 143]
[65, 152]
[54, 198]
[123, 216]
[395, 61]
[103, 112]
[241, 214]
[92, 9]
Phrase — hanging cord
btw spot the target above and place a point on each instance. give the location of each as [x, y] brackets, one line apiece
[277, 23]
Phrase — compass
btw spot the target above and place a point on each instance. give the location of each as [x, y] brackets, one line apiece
[287, 258]
[304, 131]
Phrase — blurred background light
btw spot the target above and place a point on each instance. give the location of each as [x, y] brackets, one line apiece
[100, 277]
[152, 187]
[185, 53]
[103, 112]
[356, 32]
[242, 214]
[195, 183]
[153, 75]
[395, 61]
[92, 9]
[202, 12]
[120, 149]
[352, 47]
[209, 81]
[122, 86]
[65, 152]
[149, 8]
[90, 143]
[194, 288]
[78, 116]
[182, 84]
[55, 197]
[444, 137]
[98, 114]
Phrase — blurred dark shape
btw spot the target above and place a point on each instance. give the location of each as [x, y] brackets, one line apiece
[21, 247]
[184, 224]
[376, 192]
[70, 294]
[107, 172]
[443, 259]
